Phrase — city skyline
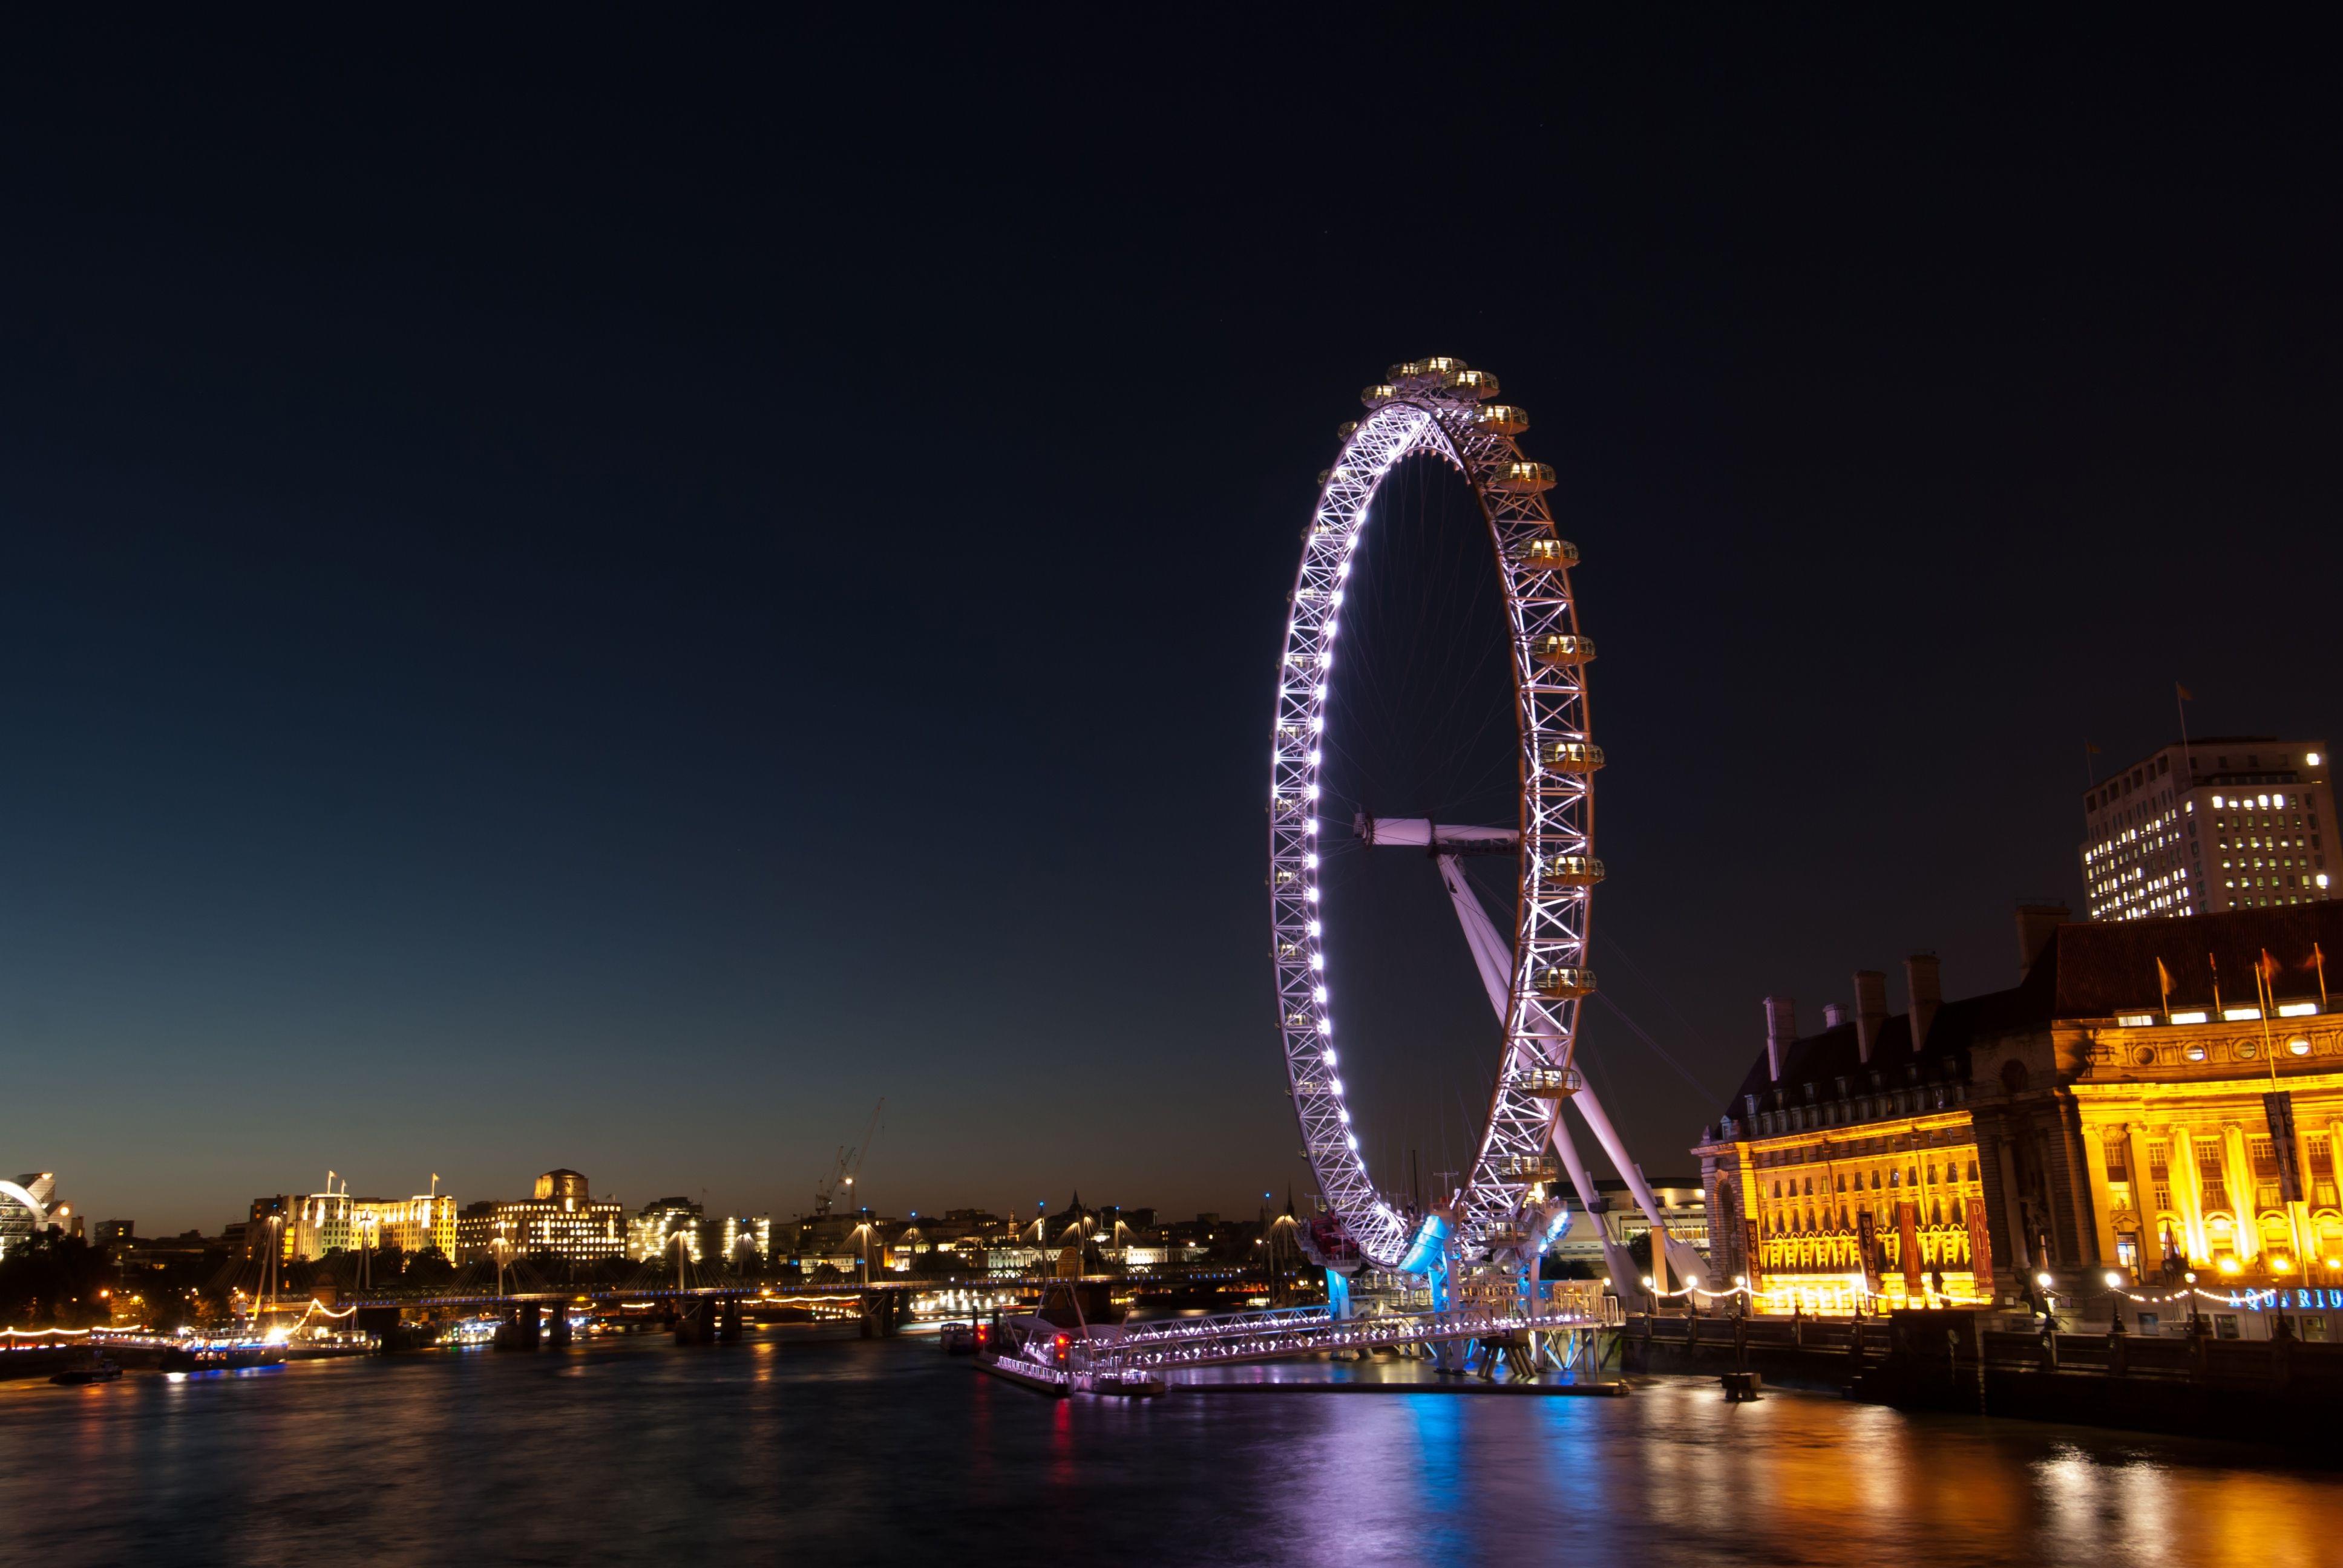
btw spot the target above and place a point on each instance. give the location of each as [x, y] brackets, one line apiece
[472, 709]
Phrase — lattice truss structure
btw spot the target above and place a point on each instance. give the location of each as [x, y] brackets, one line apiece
[1441, 407]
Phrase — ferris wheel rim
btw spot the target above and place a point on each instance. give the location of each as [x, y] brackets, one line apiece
[1554, 800]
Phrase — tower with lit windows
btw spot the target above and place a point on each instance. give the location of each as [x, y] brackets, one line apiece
[2225, 822]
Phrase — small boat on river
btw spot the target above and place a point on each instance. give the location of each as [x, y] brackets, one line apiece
[1065, 1346]
[98, 1369]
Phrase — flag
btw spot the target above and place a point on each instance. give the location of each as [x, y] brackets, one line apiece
[2091, 748]
[2162, 980]
[2268, 968]
[2279, 1109]
[2186, 695]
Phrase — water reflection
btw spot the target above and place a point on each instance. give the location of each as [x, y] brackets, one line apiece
[885, 1452]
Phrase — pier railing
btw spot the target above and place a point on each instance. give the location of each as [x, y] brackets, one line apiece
[1268, 1336]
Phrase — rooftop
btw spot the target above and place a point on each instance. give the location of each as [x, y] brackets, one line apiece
[2090, 970]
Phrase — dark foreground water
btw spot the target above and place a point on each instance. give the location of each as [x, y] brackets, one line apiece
[848, 1453]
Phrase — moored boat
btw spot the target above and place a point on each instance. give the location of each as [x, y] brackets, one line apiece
[221, 1355]
[98, 1369]
[1066, 1345]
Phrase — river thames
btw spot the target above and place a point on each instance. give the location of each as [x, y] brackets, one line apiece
[889, 1451]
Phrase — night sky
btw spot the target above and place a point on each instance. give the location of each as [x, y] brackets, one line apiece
[607, 597]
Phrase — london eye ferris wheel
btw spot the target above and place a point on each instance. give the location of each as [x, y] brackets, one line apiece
[1536, 979]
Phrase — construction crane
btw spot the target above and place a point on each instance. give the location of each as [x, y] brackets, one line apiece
[848, 1167]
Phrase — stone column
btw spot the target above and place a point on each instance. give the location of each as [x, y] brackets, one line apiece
[2095, 1202]
[2335, 1154]
[2240, 1170]
[2188, 1193]
[2143, 1194]
[1980, 1247]
[2012, 1207]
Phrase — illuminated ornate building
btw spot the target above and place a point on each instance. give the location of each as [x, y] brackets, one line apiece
[317, 1224]
[2154, 1097]
[425, 1222]
[2228, 822]
[1846, 1165]
[309, 1225]
[2182, 1108]
[562, 1219]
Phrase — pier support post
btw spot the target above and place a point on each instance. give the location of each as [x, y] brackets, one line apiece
[695, 1323]
[522, 1328]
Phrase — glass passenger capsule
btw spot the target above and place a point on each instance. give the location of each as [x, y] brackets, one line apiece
[1502, 419]
[1575, 871]
[1548, 554]
[1569, 755]
[1522, 477]
[1530, 1168]
[1562, 648]
[1563, 982]
[1346, 429]
[1376, 395]
[1472, 384]
[1547, 1082]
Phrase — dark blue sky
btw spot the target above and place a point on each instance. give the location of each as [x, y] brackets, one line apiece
[608, 598]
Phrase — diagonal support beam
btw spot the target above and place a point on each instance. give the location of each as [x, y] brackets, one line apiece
[1494, 956]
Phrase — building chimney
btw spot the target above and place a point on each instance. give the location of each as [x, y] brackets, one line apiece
[1923, 985]
[1833, 1014]
[1870, 1009]
[2037, 927]
[1781, 1029]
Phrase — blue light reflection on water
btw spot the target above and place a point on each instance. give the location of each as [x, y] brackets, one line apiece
[643, 1452]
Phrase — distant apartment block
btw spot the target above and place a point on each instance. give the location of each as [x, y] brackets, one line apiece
[2227, 822]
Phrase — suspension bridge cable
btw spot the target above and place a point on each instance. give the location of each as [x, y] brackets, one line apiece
[1657, 1049]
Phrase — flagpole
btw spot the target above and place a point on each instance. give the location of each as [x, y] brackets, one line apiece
[2265, 992]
